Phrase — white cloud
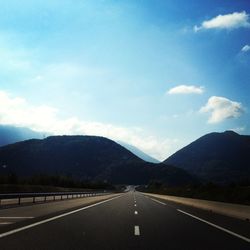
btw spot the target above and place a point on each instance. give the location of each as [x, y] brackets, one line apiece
[186, 89]
[246, 48]
[228, 21]
[221, 109]
[17, 111]
[238, 130]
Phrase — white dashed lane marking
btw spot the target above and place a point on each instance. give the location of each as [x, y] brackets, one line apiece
[137, 230]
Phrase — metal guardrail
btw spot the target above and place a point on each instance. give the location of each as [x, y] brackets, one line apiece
[54, 195]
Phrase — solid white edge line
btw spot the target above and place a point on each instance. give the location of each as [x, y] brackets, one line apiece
[137, 230]
[216, 226]
[5, 223]
[162, 203]
[54, 218]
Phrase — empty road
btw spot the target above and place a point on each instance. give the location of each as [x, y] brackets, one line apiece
[124, 221]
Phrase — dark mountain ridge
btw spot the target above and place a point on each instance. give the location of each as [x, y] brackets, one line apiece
[218, 157]
[86, 158]
[11, 134]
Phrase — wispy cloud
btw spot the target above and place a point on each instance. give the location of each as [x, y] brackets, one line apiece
[19, 112]
[228, 21]
[238, 129]
[13, 59]
[221, 108]
[185, 89]
[246, 48]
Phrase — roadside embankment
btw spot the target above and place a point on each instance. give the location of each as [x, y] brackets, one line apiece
[229, 209]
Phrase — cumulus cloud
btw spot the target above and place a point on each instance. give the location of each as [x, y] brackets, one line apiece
[186, 89]
[228, 21]
[246, 48]
[221, 108]
[19, 112]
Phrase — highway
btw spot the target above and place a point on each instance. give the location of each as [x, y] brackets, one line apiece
[121, 221]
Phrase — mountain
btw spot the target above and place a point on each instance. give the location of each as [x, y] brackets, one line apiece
[86, 158]
[11, 134]
[136, 151]
[218, 157]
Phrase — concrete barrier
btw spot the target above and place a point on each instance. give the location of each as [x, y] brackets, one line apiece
[233, 210]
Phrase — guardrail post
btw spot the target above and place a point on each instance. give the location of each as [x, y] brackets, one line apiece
[45, 198]
[34, 199]
[54, 198]
[61, 197]
[19, 200]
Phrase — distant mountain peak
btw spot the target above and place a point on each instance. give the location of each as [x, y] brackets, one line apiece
[11, 134]
[138, 152]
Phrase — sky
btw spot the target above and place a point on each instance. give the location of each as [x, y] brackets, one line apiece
[156, 74]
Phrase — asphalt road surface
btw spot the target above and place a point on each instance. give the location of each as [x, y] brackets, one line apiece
[126, 221]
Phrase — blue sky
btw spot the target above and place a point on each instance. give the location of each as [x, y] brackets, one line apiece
[155, 74]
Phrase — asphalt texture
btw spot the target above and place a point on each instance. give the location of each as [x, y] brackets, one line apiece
[127, 221]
